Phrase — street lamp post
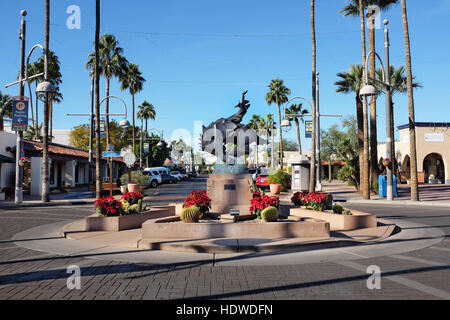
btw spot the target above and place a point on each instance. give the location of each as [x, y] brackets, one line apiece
[123, 123]
[370, 91]
[287, 123]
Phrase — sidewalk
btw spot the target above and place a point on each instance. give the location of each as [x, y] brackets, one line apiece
[429, 195]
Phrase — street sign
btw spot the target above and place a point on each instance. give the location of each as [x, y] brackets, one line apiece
[129, 159]
[308, 129]
[146, 147]
[20, 114]
[111, 154]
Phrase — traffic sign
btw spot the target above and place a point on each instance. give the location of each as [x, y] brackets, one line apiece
[111, 154]
[129, 159]
[146, 147]
[20, 114]
[102, 128]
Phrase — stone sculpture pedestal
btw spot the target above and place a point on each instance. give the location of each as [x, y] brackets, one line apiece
[230, 191]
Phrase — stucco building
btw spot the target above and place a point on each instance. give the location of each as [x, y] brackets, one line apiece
[433, 152]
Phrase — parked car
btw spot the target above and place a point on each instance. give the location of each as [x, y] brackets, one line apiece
[184, 174]
[176, 174]
[167, 178]
[254, 173]
[154, 177]
[261, 178]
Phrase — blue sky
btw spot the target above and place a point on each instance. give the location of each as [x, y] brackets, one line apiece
[198, 56]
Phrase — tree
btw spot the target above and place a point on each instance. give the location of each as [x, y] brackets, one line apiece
[120, 137]
[45, 196]
[294, 112]
[289, 145]
[278, 94]
[98, 172]
[352, 81]
[312, 171]
[343, 146]
[256, 123]
[146, 112]
[32, 134]
[111, 64]
[133, 81]
[158, 154]
[5, 108]
[354, 8]
[412, 125]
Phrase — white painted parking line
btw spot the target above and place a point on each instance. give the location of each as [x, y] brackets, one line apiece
[418, 260]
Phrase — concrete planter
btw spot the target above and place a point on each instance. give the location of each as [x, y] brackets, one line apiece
[134, 187]
[96, 222]
[275, 188]
[171, 228]
[357, 220]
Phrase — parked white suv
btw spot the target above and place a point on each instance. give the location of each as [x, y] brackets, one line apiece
[154, 177]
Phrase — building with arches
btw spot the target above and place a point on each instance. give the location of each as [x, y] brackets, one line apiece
[433, 152]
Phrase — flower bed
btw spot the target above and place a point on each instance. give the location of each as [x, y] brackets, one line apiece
[261, 202]
[311, 205]
[200, 199]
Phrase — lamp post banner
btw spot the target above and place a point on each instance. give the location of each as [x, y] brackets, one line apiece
[20, 114]
[308, 129]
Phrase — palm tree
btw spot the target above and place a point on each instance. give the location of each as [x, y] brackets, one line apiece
[133, 81]
[5, 108]
[278, 94]
[45, 197]
[352, 81]
[146, 112]
[312, 172]
[97, 71]
[412, 125]
[112, 64]
[256, 122]
[355, 8]
[32, 134]
[294, 112]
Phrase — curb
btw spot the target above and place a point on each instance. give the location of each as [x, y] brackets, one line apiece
[45, 204]
[398, 202]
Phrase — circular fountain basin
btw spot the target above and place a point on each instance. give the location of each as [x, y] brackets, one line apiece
[294, 227]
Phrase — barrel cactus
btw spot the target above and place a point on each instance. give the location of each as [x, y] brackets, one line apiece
[190, 214]
[139, 205]
[270, 214]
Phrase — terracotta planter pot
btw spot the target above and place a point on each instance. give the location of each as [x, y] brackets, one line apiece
[275, 188]
[134, 187]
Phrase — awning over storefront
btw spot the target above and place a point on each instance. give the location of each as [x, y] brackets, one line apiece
[5, 159]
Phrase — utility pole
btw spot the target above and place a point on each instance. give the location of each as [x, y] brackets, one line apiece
[319, 160]
[390, 190]
[19, 145]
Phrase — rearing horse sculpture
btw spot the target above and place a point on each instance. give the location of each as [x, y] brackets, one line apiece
[230, 131]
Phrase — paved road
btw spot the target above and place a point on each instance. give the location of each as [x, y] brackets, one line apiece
[30, 274]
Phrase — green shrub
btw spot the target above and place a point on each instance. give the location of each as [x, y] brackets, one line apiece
[280, 177]
[347, 213]
[190, 214]
[136, 177]
[270, 214]
[338, 208]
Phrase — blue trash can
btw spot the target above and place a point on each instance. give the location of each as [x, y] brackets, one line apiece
[382, 186]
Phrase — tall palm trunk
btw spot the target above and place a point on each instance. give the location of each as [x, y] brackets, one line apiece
[359, 105]
[107, 114]
[298, 136]
[312, 172]
[373, 109]
[360, 122]
[50, 137]
[45, 195]
[133, 131]
[98, 172]
[37, 113]
[412, 124]
[2, 127]
[281, 136]
[31, 103]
